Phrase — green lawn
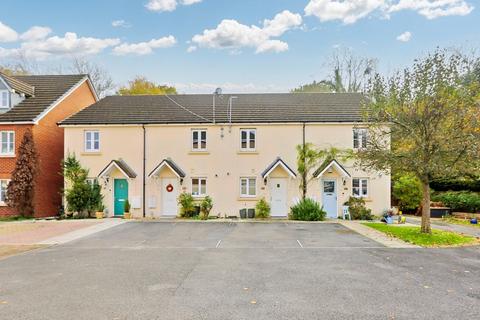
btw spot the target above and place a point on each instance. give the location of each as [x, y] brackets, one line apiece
[413, 235]
[463, 222]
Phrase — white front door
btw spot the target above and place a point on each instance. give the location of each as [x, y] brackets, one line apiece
[169, 197]
[329, 197]
[278, 194]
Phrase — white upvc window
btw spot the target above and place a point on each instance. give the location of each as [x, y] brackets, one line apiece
[199, 140]
[248, 139]
[199, 187]
[360, 187]
[91, 181]
[92, 141]
[4, 99]
[7, 143]
[360, 138]
[248, 187]
[3, 190]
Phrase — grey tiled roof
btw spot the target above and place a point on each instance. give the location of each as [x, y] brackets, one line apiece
[197, 108]
[122, 165]
[48, 89]
[18, 85]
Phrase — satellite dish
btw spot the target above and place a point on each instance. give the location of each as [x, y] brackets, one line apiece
[218, 91]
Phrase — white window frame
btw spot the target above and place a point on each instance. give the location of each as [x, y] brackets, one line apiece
[363, 183]
[362, 138]
[199, 193]
[1, 191]
[248, 140]
[7, 105]
[247, 186]
[91, 181]
[92, 144]
[10, 143]
[199, 142]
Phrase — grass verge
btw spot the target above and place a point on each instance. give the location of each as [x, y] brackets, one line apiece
[462, 222]
[438, 238]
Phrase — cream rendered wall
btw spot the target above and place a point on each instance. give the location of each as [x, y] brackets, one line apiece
[223, 163]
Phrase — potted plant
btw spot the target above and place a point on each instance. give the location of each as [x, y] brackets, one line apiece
[99, 212]
[127, 214]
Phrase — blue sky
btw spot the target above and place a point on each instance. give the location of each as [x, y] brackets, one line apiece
[166, 41]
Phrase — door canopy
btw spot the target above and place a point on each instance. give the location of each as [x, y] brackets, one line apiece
[278, 163]
[328, 165]
[169, 164]
[121, 166]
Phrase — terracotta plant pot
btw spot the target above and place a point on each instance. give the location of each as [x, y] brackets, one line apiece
[99, 215]
[127, 215]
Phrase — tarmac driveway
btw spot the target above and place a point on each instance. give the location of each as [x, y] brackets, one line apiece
[170, 270]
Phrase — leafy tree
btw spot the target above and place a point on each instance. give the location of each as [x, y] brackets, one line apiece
[323, 86]
[433, 117]
[140, 85]
[78, 193]
[205, 207]
[407, 189]
[21, 189]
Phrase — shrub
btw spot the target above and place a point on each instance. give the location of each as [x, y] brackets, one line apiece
[187, 204]
[127, 206]
[262, 209]
[459, 201]
[407, 189]
[205, 207]
[96, 199]
[307, 210]
[358, 210]
[78, 198]
[459, 184]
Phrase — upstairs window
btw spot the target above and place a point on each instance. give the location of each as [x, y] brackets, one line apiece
[248, 187]
[4, 99]
[92, 141]
[7, 143]
[360, 138]
[3, 190]
[360, 187]
[199, 140]
[199, 187]
[248, 139]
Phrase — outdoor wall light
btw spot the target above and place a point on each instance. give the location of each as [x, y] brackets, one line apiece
[181, 181]
[265, 181]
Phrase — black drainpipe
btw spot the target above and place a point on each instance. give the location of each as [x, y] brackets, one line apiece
[144, 161]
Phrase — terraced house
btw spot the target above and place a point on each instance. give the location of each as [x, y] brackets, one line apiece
[37, 103]
[236, 149]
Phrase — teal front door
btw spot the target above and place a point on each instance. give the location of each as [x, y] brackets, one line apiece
[120, 194]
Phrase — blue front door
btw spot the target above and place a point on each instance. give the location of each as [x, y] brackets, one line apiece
[120, 194]
[329, 197]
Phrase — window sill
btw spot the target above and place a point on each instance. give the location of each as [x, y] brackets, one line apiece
[366, 199]
[3, 204]
[246, 152]
[200, 153]
[7, 156]
[93, 153]
[248, 198]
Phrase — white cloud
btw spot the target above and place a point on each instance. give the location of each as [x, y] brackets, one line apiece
[120, 23]
[36, 33]
[230, 34]
[350, 11]
[70, 44]
[143, 48]
[7, 34]
[405, 37]
[432, 9]
[192, 49]
[168, 5]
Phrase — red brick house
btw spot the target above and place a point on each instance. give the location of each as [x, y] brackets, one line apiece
[37, 103]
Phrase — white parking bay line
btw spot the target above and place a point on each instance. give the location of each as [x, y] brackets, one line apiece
[218, 243]
[299, 243]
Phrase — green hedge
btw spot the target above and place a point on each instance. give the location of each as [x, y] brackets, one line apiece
[455, 185]
[459, 201]
[307, 210]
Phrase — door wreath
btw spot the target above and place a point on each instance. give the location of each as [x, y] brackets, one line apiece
[169, 187]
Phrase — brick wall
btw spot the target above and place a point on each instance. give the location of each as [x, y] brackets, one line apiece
[49, 141]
